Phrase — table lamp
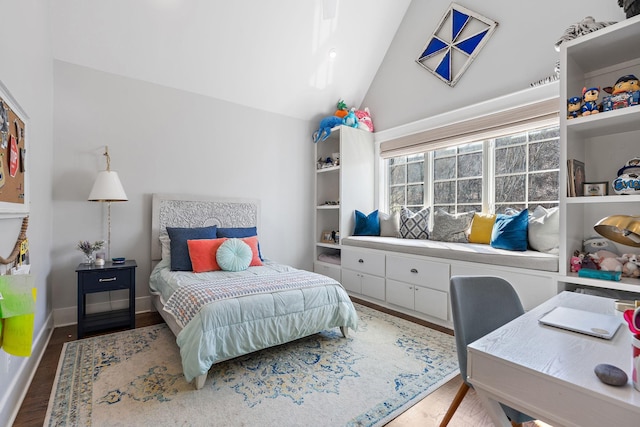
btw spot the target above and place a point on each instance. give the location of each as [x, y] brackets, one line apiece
[107, 188]
[624, 229]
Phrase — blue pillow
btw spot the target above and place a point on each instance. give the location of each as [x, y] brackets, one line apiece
[234, 255]
[238, 233]
[367, 225]
[510, 231]
[180, 260]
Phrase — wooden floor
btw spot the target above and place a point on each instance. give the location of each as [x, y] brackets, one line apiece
[425, 413]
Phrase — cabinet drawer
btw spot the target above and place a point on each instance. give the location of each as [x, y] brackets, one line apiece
[96, 281]
[327, 270]
[434, 275]
[400, 293]
[366, 262]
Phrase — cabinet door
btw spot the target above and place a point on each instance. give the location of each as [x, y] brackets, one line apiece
[327, 270]
[364, 261]
[400, 293]
[432, 302]
[351, 281]
[373, 286]
[421, 272]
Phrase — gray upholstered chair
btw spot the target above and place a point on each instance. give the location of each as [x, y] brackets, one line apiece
[480, 304]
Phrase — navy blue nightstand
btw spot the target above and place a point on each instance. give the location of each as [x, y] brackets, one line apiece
[110, 277]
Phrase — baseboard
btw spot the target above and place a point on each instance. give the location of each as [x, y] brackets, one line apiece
[69, 315]
[16, 391]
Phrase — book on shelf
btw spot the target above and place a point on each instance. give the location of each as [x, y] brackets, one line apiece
[575, 178]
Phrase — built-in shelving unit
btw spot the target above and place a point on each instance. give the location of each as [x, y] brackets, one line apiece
[604, 141]
[350, 185]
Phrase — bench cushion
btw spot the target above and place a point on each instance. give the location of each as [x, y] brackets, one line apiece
[472, 252]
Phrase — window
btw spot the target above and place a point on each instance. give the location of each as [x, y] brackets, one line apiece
[516, 171]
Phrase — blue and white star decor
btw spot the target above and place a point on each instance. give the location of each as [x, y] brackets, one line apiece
[456, 42]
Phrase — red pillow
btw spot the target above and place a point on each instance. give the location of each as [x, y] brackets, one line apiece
[203, 254]
[253, 244]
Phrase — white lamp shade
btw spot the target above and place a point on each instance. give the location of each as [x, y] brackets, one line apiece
[107, 188]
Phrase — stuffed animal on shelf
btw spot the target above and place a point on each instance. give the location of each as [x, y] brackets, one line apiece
[630, 267]
[350, 119]
[342, 109]
[324, 130]
[628, 83]
[574, 107]
[590, 101]
[364, 120]
[597, 244]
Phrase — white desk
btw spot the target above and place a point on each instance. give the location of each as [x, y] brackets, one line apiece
[547, 372]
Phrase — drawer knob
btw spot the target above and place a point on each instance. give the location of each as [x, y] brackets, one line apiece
[110, 279]
[361, 261]
[413, 270]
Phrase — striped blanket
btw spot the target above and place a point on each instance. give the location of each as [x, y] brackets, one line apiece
[189, 299]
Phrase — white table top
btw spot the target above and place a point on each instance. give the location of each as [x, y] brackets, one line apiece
[548, 373]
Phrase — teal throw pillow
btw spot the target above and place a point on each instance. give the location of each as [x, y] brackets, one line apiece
[367, 225]
[510, 231]
[234, 255]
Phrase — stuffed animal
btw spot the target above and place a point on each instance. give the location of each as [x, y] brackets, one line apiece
[589, 101]
[630, 267]
[610, 264]
[595, 244]
[574, 107]
[342, 109]
[324, 130]
[628, 83]
[364, 120]
[575, 264]
[350, 119]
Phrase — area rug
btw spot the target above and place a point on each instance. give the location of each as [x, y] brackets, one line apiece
[135, 378]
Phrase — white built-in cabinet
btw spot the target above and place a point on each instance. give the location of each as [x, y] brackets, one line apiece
[604, 141]
[341, 189]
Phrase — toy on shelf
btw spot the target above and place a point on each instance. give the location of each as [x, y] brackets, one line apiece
[574, 107]
[342, 109]
[324, 130]
[364, 120]
[628, 180]
[625, 93]
[630, 267]
[350, 119]
[589, 101]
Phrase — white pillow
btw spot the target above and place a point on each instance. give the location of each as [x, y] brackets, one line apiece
[165, 241]
[544, 230]
[389, 224]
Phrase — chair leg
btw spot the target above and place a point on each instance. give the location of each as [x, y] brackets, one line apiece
[462, 391]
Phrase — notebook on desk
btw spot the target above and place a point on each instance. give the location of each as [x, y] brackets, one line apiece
[586, 322]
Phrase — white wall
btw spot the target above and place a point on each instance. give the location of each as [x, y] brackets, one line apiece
[521, 51]
[26, 70]
[167, 140]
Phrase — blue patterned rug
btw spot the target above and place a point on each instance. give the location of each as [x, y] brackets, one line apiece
[135, 378]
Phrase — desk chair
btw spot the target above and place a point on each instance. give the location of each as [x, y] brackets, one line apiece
[480, 304]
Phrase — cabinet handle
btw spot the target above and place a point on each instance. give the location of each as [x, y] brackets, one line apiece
[361, 261]
[413, 270]
[110, 279]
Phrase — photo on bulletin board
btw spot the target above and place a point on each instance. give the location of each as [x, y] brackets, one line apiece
[14, 183]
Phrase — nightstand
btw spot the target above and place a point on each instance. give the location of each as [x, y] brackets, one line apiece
[109, 277]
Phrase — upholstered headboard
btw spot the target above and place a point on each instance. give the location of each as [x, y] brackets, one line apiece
[179, 210]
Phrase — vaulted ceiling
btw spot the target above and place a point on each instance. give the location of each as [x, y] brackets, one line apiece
[291, 57]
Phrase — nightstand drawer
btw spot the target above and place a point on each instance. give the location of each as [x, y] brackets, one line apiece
[96, 281]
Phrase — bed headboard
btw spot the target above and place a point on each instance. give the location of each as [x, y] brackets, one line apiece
[179, 210]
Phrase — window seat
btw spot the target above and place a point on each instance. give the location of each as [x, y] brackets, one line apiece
[484, 254]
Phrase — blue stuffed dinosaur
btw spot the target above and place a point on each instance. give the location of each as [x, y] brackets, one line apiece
[351, 119]
[324, 130]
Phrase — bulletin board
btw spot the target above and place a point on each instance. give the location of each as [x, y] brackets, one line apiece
[14, 196]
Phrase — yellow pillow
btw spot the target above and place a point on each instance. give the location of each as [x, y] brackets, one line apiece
[481, 228]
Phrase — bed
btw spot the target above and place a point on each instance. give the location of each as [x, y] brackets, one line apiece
[219, 315]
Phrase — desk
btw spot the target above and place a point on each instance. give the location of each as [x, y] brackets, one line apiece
[547, 372]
